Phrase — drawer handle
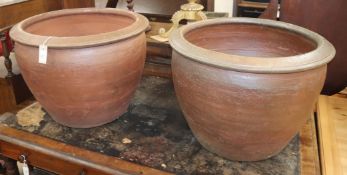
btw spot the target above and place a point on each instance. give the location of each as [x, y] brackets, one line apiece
[22, 158]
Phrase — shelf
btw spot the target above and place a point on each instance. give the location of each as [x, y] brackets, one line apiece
[249, 4]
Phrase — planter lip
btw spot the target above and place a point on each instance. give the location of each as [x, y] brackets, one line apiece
[320, 56]
[139, 25]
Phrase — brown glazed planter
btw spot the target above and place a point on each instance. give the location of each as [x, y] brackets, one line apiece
[95, 61]
[246, 86]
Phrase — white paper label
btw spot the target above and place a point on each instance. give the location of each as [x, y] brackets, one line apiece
[43, 54]
[25, 169]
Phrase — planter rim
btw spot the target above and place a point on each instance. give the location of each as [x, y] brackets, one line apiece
[139, 25]
[321, 55]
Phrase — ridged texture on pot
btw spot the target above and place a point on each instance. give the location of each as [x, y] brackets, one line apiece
[84, 86]
[244, 116]
[246, 86]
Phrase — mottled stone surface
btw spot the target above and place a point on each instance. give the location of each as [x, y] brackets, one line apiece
[160, 138]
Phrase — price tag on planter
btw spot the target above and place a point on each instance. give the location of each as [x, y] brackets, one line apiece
[43, 54]
[43, 50]
[25, 169]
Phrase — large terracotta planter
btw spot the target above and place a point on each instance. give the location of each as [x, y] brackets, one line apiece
[95, 61]
[246, 86]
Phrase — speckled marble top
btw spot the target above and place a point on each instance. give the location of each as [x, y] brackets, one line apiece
[160, 138]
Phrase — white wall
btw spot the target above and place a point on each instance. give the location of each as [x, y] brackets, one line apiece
[219, 5]
[224, 6]
[100, 3]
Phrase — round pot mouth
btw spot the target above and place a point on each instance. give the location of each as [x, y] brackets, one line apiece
[139, 25]
[323, 53]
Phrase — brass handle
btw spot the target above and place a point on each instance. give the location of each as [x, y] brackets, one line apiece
[22, 158]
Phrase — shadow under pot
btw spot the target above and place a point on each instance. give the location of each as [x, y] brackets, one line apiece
[94, 63]
[247, 86]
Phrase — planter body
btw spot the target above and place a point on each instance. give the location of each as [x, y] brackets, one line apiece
[89, 82]
[236, 101]
[244, 116]
[329, 20]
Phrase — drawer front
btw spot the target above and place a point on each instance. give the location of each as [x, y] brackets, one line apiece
[47, 162]
[62, 158]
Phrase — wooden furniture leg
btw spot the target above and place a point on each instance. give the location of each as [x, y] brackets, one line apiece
[6, 54]
[112, 3]
[13, 89]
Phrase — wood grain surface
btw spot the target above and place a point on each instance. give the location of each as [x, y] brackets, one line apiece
[332, 122]
[78, 3]
[11, 14]
[309, 159]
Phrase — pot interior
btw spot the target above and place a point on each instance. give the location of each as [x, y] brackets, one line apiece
[79, 24]
[250, 40]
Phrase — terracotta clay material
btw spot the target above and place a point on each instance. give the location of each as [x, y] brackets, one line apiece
[246, 86]
[95, 61]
